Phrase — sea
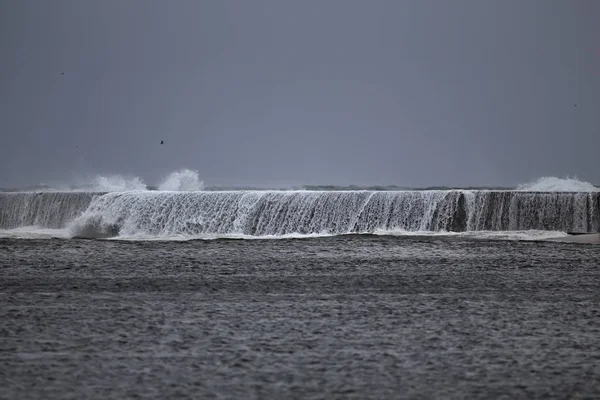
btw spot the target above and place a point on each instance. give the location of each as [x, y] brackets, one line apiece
[113, 291]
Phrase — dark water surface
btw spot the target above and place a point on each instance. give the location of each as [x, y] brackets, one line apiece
[341, 317]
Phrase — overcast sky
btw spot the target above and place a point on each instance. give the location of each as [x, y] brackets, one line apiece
[423, 92]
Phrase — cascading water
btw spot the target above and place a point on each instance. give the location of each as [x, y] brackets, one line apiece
[48, 210]
[511, 211]
[283, 213]
[193, 213]
[272, 213]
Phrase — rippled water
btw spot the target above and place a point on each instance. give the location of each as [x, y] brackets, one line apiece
[338, 317]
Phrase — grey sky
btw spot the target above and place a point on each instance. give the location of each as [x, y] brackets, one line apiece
[423, 92]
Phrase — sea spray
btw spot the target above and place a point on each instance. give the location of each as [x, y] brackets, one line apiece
[276, 213]
[117, 206]
[184, 180]
[117, 183]
[553, 184]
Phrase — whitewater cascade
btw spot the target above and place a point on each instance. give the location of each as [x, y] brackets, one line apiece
[44, 209]
[276, 213]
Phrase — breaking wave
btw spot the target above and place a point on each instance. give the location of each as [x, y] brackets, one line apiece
[182, 181]
[210, 214]
[552, 184]
[115, 183]
[120, 207]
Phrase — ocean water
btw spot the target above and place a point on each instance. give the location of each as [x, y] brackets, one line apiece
[353, 316]
[112, 290]
[210, 214]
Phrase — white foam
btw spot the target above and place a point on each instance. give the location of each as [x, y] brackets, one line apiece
[35, 232]
[553, 184]
[117, 183]
[98, 183]
[532, 235]
[181, 238]
[528, 235]
[184, 180]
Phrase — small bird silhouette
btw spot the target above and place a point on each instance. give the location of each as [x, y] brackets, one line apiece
[62, 73]
[162, 142]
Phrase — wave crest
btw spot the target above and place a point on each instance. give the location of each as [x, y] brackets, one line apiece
[184, 180]
[117, 183]
[166, 214]
[553, 184]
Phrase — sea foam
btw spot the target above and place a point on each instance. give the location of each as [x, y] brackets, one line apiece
[553, 184]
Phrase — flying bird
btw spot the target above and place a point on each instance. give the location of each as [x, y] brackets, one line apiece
[162, 142]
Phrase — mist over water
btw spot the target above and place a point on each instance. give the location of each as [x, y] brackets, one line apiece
[182, 181]
[116, 183]
[553, 184]
[187, 180]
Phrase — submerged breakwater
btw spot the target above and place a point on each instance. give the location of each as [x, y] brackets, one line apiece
[274, 213]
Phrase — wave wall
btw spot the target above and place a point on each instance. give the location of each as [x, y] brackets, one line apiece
[276, 213]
